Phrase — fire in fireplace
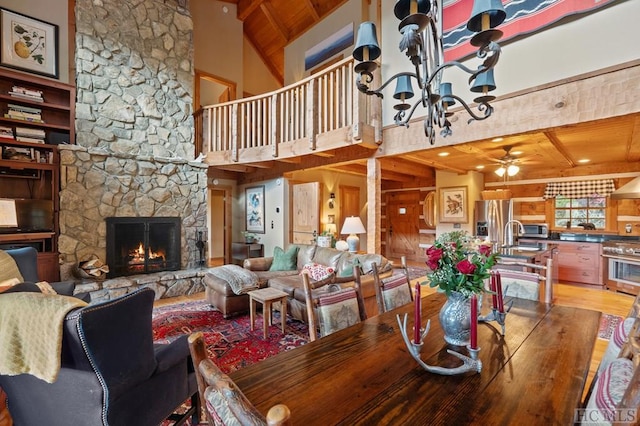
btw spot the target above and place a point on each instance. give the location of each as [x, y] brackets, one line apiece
[140, 245]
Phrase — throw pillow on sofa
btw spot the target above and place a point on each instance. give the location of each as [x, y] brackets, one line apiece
[8, 268]
[284, 260]
[317, 272]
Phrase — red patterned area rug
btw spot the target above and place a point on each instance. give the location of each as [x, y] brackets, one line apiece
[230, 342]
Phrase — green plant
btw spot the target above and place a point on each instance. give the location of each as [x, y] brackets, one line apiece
[459, 263]
[249, 236]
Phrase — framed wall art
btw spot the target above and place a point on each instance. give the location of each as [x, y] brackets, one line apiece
[254, 206]
[28, 44]
[453, 205]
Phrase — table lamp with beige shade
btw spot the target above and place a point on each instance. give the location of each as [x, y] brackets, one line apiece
[353, 226]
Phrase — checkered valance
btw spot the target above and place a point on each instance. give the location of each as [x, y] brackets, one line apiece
[580, 189]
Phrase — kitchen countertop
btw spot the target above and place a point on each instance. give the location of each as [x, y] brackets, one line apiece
[581, 237]
[526, 250]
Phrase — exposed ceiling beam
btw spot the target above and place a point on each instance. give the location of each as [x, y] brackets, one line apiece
[246, 8]
[236, 168]
[312, 9]
[435, 164]
[265, 60]
[399, 165]
[633, 153]
[273, 19]
[557, 144]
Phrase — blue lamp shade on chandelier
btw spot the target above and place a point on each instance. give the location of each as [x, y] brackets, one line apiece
[422, 41]
[353, 226]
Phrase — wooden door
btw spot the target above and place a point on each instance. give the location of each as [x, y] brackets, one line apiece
[349, 203]
[306, 212]
[403, 218]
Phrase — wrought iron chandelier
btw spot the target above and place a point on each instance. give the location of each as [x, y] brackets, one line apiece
[421, 30]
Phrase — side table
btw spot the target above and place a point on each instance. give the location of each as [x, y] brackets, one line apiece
[242, 251]
[267, 296]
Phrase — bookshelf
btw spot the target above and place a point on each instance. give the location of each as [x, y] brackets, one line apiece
[36, 115]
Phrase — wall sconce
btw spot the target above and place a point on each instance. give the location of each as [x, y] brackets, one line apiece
[332, 198]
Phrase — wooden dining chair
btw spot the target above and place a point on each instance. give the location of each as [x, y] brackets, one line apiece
[332, 307]
[616, 389]
[224, 402]
[392, 291]
[520, 282]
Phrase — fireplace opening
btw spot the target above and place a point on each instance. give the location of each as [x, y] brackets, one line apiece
[141, 245]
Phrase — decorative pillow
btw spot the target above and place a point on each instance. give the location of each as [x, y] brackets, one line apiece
[609, 389]
[226, 403]
[616, 341]
[395, 291]
[284, 260]
[317, 272]
[8, 267]
[337, 310]
[520, 284]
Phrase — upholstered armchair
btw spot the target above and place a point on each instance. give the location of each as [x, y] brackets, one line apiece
[111, 371]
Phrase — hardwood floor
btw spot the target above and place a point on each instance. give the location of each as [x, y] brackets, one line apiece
[586, 297]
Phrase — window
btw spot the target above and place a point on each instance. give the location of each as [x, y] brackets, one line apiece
[580, 210]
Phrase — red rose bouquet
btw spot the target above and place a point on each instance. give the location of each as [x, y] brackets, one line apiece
[459, 263]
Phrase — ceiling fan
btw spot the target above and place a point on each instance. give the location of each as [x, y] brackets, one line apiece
[507, 163]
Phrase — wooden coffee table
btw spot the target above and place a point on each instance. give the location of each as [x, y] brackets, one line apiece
[267, 296]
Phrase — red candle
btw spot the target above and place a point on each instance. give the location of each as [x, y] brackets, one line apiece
[499, 288]
[494, 297]
[417, 314]
[474, 322]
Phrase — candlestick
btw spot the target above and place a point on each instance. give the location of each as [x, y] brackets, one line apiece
[494, 297]
[417, 315]
[474, 322]
[500, 297]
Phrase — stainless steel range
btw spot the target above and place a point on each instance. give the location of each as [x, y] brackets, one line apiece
[621, 261]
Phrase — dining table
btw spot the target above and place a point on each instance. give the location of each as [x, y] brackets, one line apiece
[533, 374]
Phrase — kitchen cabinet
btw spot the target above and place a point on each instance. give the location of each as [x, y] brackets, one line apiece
[580, 262]
[36, 114]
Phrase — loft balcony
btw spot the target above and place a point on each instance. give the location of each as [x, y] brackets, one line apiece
[323, 116]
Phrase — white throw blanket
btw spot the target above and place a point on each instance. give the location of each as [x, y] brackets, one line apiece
[239, 279]
[31, 333]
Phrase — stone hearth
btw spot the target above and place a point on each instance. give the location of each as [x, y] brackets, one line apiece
[165, 284]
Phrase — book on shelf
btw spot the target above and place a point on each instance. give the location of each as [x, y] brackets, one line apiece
[30, 140]
[27, 97]
[26, 91]
[6, 132]
[29, 132]
[22, 108]
[17, 115]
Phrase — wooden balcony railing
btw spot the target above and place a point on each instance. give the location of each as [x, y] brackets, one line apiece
[285, 123]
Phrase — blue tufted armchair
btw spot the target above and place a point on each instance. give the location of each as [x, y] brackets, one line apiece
[111, 373]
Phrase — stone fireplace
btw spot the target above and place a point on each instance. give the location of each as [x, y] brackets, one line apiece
[141, 245]
[134, 136]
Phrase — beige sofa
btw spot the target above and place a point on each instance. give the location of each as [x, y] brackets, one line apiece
[291, 283]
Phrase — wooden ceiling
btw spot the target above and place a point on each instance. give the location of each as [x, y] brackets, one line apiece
[272, 24]
[610, 146]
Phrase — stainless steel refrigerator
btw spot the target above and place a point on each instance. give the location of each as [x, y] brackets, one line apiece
[490, 218]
